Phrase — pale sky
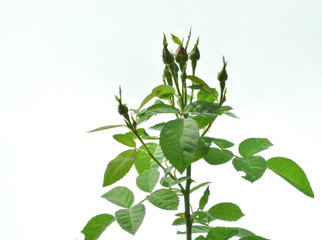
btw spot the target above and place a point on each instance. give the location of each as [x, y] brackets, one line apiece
[61, 63]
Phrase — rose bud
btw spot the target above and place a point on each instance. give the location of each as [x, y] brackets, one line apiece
[181, 55]
[222, 75]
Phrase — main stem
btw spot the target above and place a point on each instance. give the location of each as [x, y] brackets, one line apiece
[187, 204]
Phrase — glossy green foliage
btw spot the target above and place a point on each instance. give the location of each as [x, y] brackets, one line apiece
[179, 141]
[131, 219]
[97, 225]
[292, 173]
[165, 162]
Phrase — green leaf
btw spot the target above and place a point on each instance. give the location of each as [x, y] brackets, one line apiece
[166, 182]
[201, 107]
[203, 147]
[146, 100]
[204, 199]
[163, 91]
[164, 198]
[224, 109]
[217, 156]
[202, 83]
[176, 40]
[205, 96]
[222, 143]
[179, 141]
[226, 212]
[243, 232]
[251, 146]
[197, 229]
[144, 162]
[203, 217]
[121, 196]
[175, 182]
[254, 167]
[198, 186]
[230, 114]
[125, 139]
[179, 221]
[203, 120]
[147, 180]
[159, 108]
[105, 127]
[119, 167]
[200, 238]
[221, 233]
[292, 173]
[97, 225]
[253, 238]
[131, 219]
[158, 126]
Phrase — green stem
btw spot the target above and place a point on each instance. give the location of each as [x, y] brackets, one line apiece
[187, 205]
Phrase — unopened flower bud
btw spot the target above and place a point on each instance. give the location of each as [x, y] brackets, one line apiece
[194, 54]
[181, 55]
[122, 109]
[167, 57]
[222, 75]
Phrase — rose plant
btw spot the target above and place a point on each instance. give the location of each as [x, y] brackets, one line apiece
[163, 163]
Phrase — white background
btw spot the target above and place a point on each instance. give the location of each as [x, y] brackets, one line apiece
[61, 62]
